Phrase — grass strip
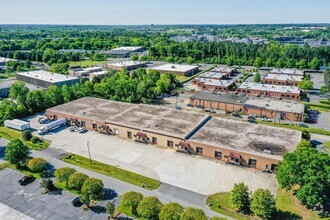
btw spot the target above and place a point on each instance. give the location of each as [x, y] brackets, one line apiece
[112, 171]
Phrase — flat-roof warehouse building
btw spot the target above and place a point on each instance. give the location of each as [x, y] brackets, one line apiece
[46, 79]
[182, 70]
[129, 65]
[182, 130]
[125, 51]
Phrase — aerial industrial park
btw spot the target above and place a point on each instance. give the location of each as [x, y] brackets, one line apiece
[164, 122]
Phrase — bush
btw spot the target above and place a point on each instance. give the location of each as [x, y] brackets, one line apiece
[171, 211]
[26, 135]
[63, 174]
[92, 189]
[35, 139]
[110, 209]
[47, 184]
[76, 181]
[149, 207]
[240, 197]
[131, 200]
[193, 214]
[37, 164]
[263, 203]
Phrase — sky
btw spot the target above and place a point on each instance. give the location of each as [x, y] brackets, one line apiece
[134, 12]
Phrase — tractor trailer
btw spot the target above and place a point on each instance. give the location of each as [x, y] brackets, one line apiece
[51, 126]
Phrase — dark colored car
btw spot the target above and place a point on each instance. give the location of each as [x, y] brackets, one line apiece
[76, 202]
[26, 180]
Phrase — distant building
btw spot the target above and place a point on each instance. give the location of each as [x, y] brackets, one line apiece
[99, 74]
[129, 65]
[210, 75]
[215, 85]
[181, 70]
[226, 70]
[291, 72]
[125, 51]
[291, 111]
[80, 72]
[46, 79]
[5, 87]
[224, 102]
[271, 91]
[282, 79]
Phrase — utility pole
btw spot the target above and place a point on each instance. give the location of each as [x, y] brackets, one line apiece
[89, 153]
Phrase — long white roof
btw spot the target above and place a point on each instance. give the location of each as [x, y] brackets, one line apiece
[127, 63]
[211, 74]
[287, 71]
[215, 82]
[285, 106]
[174, 67]
[284, 77]
[270, 88]
[47, 76]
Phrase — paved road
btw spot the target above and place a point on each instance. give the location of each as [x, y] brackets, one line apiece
[166, 193]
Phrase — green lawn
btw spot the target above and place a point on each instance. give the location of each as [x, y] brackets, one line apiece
[62, 186]
[327, 145]
[128, 212]
[114, 172]
[10, 134]
[288, 207]
[295, 127]
[87, 63]
[220, 203]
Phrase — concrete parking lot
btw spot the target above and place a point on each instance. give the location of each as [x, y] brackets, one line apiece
[28, 202]
[192, 173]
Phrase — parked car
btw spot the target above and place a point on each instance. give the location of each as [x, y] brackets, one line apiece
[189, 105]
[26, 180]
[76, 202]
[302, 125]
[73, 128]
[315, 112]
[266, 119]
[253, 115]
[236, 114]
[311, 120]
[81, 130]
[42, 120]
[199, 106]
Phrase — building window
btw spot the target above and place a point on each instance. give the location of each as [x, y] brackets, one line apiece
[83, 124]
[94, 126]
[218, 154]
[116, 131]
[267, 167]
[199, 150]
[154, 140]
[170, 143]
[129, 134]
[252, 162]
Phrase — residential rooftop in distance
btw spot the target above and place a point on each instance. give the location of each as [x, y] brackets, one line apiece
[225, 98]
[287, 72]
[283, 77]
[270, 88]
[283, 106]
[159, 119]
[246, 137]
[174, 67]
[46, 76]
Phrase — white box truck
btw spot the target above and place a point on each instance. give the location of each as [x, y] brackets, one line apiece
[51, 126]
[17, 124]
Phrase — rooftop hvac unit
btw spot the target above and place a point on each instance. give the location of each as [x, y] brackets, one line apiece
[267, 152]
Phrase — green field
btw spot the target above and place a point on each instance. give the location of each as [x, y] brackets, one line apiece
[87, 63]
[327, 145]
[288, 207]
[113, 171]
[10, 134]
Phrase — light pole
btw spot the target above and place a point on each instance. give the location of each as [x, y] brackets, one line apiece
[89, 153]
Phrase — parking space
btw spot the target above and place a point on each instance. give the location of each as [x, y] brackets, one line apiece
[29, 202]
[196, 174]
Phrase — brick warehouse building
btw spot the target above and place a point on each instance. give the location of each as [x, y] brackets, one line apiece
[291, 72]
[210, 75]
[215, 85]
[288, 110]
[271, 91]
[182, 131]
[282, 79]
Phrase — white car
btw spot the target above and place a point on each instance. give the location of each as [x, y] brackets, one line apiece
[81, 130]
[42, 120]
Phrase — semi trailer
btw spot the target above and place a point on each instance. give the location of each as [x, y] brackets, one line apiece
[17, 124]
[52, 125]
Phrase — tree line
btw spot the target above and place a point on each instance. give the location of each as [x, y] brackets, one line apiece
[138, 87]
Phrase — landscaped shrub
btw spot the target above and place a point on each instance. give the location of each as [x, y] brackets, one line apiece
[149, 207]
[35, 139]
[37, 164]
[26, 135]
[131, 200]
[77, 180]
